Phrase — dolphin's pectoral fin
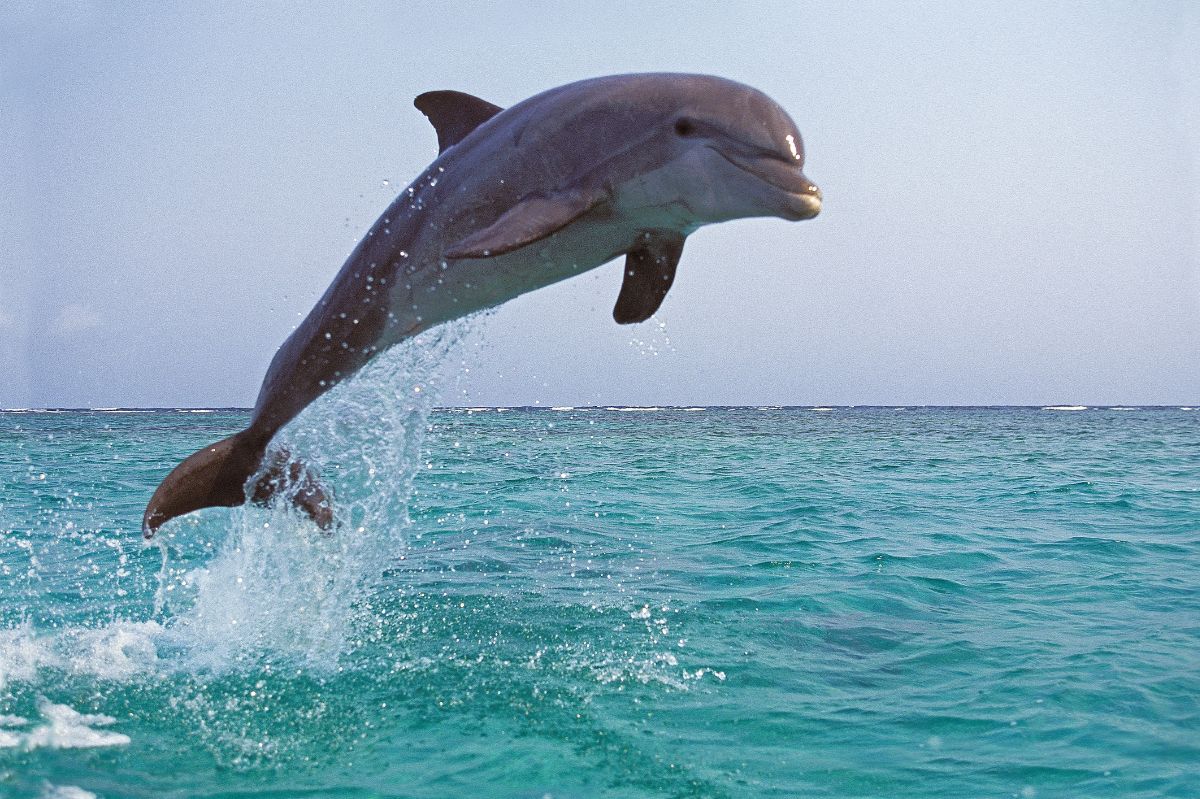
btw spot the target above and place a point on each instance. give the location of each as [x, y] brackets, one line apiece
[292, 480]
[533, 218]
[649, 273]
[454, 114]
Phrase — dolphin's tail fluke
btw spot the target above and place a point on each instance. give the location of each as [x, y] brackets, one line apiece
[217, 475]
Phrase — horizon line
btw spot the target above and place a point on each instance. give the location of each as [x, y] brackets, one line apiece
[620, 407]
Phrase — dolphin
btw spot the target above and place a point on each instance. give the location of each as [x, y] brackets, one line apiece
[517, 199]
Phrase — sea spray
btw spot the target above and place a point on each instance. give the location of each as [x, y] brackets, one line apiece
[278, 588]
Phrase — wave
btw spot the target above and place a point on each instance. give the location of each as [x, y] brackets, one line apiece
[1064, 408]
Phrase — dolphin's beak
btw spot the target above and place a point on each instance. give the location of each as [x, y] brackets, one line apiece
[807, 203]
[803, 197]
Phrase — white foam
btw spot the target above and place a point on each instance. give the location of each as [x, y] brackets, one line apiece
[1186, 408]
[21, 654]
[67, 728]
[10, 739]
[1123, 408]
[563, 408]
[63, 727]
[633, 408]
[821, 408]
[1065, 408]
[65, 792]
[117, 651]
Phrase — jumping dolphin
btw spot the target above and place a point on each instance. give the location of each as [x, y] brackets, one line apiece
[517, 199]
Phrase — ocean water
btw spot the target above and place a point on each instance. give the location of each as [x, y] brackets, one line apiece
[606, 602]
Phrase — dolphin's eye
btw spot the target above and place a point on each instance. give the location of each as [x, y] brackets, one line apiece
[684, 127]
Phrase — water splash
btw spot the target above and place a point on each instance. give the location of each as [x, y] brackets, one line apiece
[652, 340]
[279, 589]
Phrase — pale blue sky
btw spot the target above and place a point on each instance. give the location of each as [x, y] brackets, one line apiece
[1012, 199]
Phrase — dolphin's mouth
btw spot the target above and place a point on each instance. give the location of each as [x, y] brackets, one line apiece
[803, 197]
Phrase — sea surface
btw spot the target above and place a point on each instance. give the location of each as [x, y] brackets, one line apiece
[610, 602]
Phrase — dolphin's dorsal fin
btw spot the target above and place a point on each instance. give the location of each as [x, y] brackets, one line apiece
[649, 273]
[454, 115]
[532, 219]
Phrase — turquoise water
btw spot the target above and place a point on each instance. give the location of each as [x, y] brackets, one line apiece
[727, 602]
